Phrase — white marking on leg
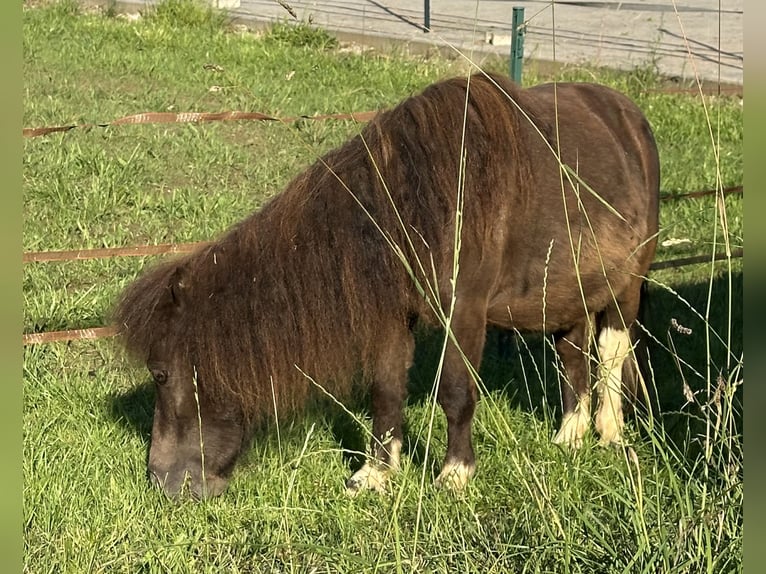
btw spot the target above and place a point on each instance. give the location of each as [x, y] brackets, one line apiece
[374, 474]
[455, 475]
[574, 425]
[613, 348]
[394, 454]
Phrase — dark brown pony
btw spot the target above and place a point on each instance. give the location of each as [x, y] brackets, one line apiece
[547, 199]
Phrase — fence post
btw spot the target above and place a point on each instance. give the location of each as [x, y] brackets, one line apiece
[517, 44]
[426, 15]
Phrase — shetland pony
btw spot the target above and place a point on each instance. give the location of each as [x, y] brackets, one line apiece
[472, 204]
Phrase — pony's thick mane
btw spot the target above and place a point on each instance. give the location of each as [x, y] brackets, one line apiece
[315, 280]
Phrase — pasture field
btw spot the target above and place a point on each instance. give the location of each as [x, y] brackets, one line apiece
[672, 502]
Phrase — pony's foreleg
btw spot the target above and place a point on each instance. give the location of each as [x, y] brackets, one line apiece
[457, 393]
[573, 348]
[389, 389]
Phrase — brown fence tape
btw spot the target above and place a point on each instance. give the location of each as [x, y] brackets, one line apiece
[173, 248]
[100, 332]
[196, 117]
[696, 259]
[736, 189]
[82, 254]
[69, 335]
[162, 249]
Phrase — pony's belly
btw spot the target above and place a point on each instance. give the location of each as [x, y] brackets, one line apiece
[550, 306]
[528, 314]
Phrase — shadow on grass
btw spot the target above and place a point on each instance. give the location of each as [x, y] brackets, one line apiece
[135, 409]
[694, 364]
[522, 368]
[680, 351]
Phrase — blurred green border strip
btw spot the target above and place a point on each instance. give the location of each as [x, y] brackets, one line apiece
[11, 542]
[755, 285]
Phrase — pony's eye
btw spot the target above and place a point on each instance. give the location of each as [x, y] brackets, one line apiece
[160, 377]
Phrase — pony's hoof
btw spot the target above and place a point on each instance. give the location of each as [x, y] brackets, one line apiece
[609, 429]
[567, 440]
[455, 476]
[616, 440]
[366, 478]
[573, 429]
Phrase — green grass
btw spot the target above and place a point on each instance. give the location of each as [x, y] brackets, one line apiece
[531, 507]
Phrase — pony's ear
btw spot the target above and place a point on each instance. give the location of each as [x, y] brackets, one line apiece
[177, 288]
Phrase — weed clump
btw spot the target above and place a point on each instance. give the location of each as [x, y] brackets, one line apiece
[300, 35]
[187, 14]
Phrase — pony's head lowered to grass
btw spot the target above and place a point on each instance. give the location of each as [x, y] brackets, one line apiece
[474, 203]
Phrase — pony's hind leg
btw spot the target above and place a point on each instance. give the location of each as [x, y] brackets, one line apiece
[573, 348]
[389, 389]
[614, 348]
